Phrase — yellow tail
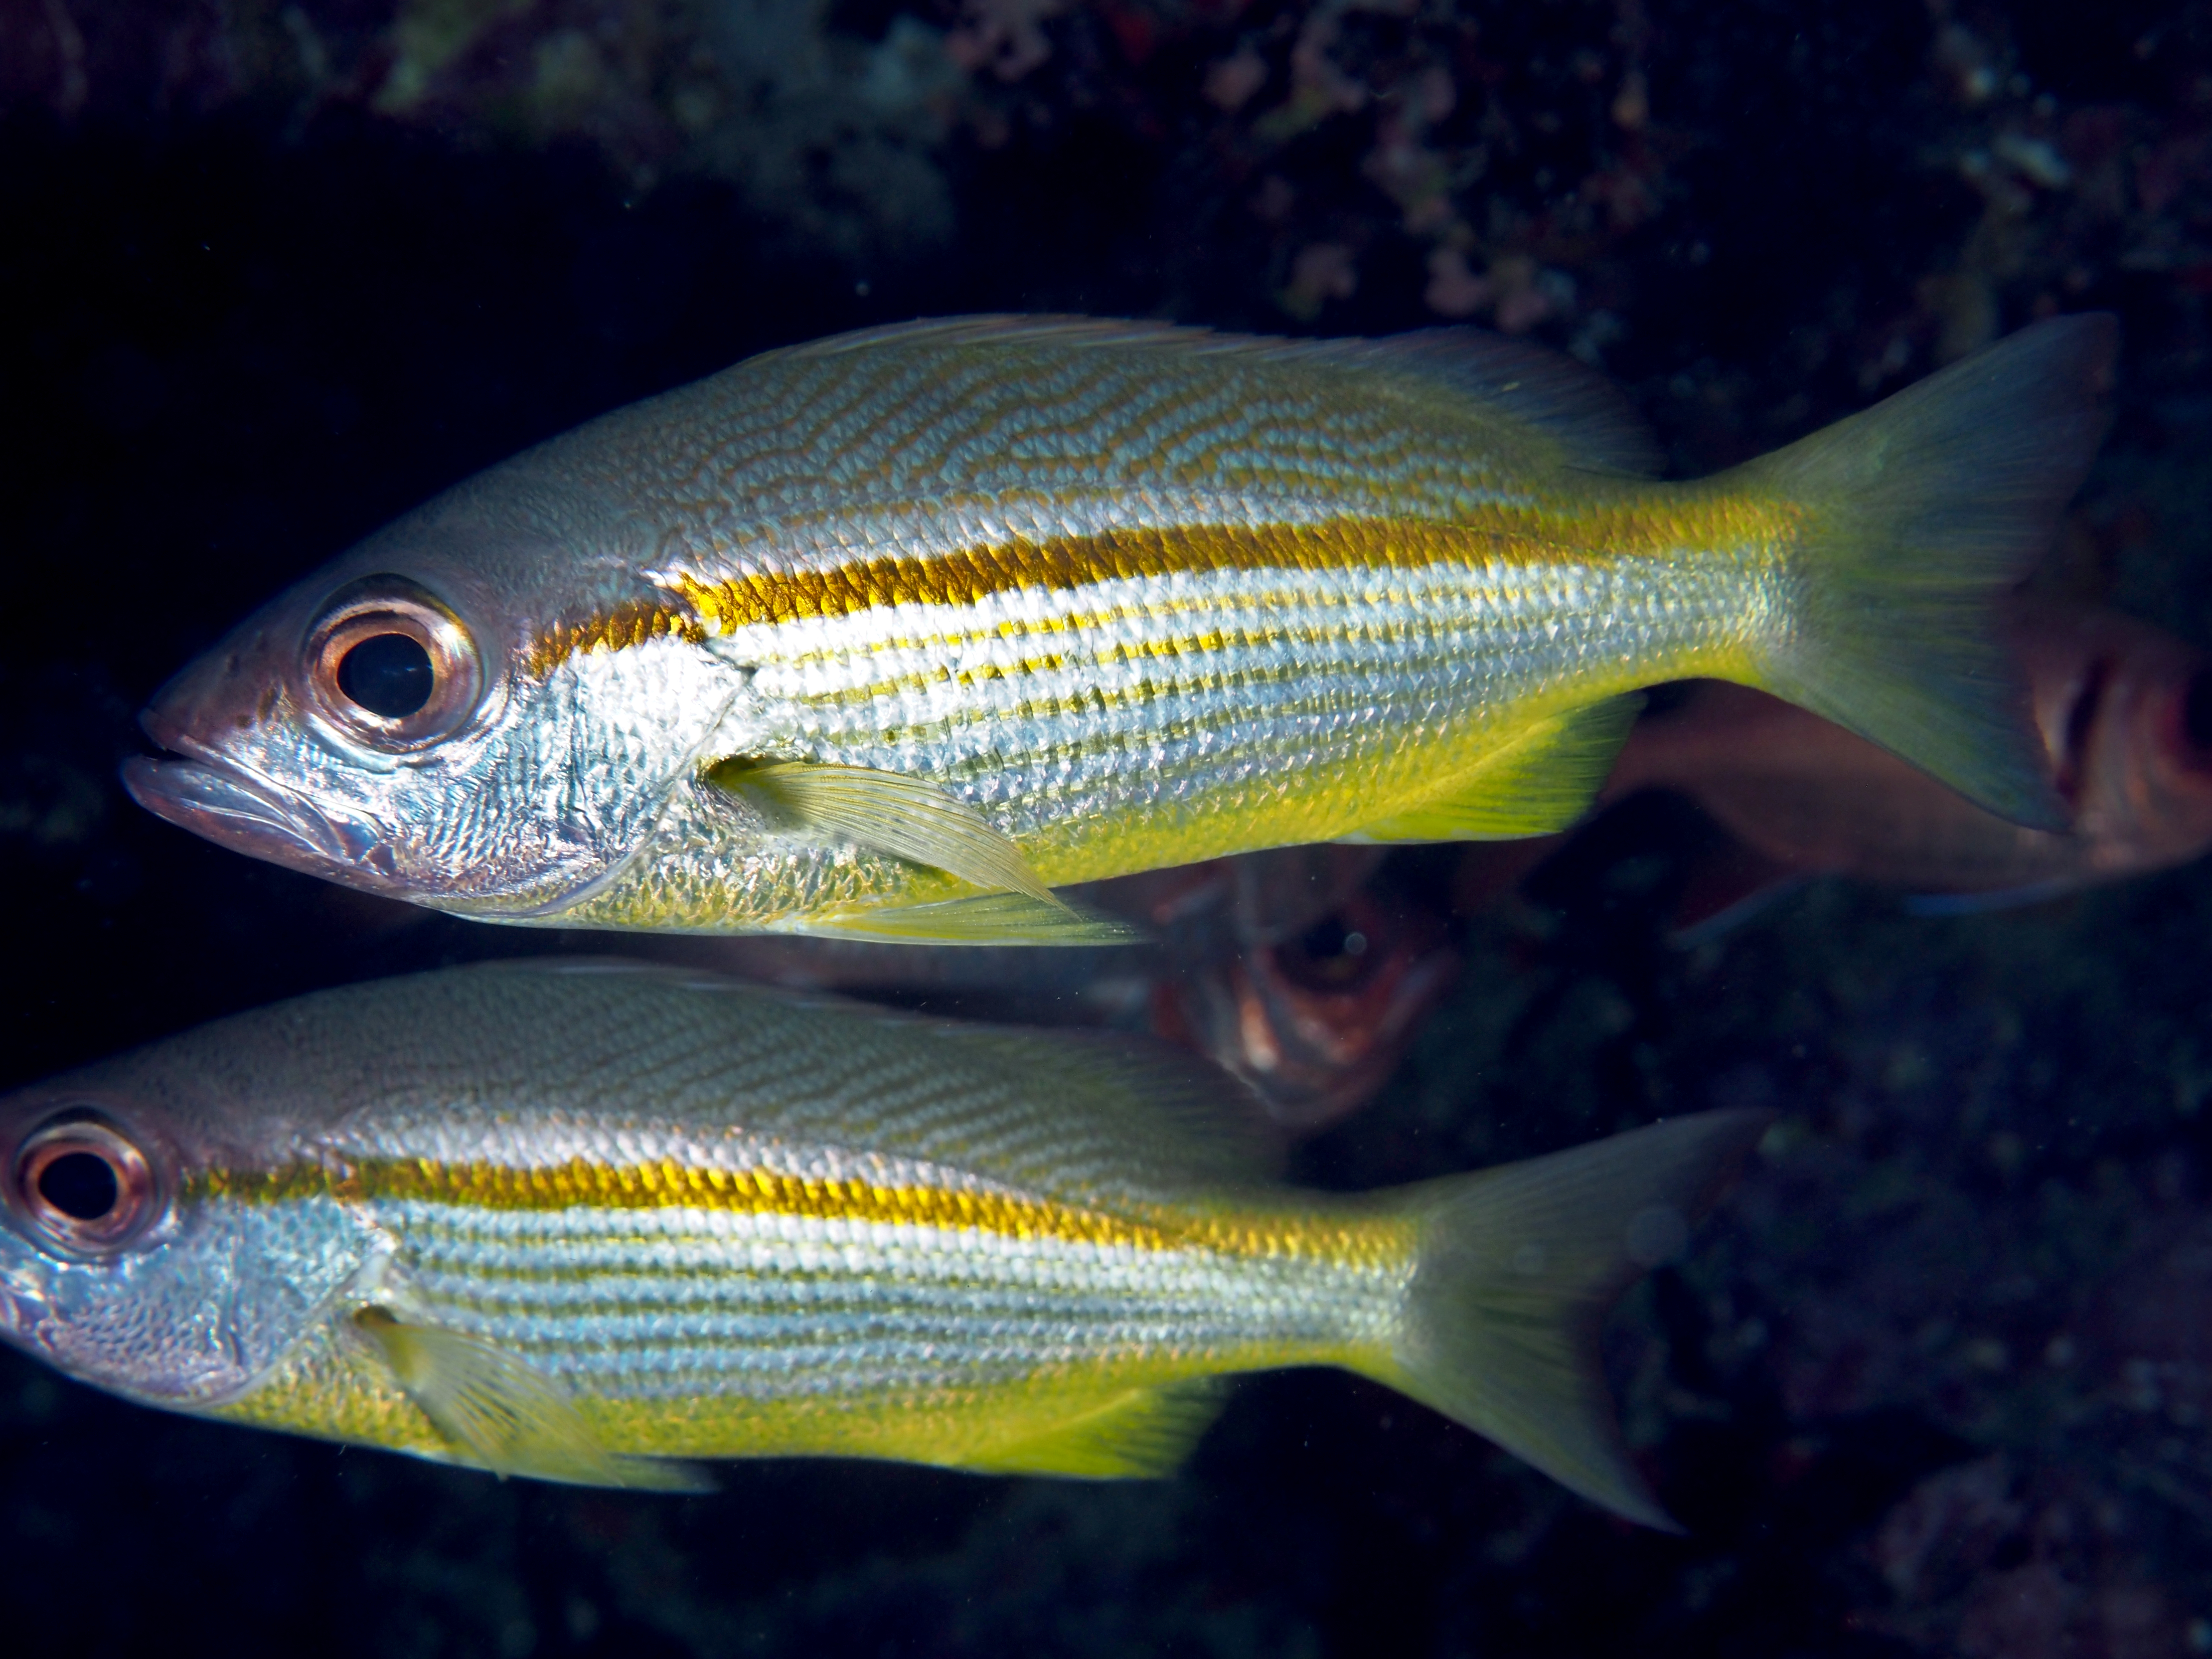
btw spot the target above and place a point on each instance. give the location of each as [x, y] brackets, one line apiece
[1919, 514]
[1517, 1267]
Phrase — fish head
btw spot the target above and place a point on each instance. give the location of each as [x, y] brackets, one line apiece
[2126, 712]
[147, 1244]
[443, 714]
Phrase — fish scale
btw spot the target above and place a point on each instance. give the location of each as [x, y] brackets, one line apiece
[814, 1303]
[944, 1299]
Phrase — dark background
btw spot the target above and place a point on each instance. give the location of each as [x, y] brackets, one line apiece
[1937, 1379]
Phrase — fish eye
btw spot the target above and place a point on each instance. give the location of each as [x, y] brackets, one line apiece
[83, 1185]
[390, 667]
[1335, 954]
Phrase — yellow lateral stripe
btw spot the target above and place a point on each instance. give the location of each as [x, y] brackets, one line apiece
[964, 576]
[1066, 562]
[632, 623]
[666, 1184]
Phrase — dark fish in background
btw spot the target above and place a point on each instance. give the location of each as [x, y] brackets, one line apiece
[1316, 1023]
[2124, 710]
[592, 1222]
[1293, 968]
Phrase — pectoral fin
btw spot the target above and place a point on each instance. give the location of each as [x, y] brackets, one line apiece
[505, 1414]
[908, 817]
[1538, 784]
[979, 919]
[1140, 1435]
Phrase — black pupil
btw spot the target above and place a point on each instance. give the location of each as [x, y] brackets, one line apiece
[2196, 712]
[1330, 955]
[80, 1185]
[388, 674]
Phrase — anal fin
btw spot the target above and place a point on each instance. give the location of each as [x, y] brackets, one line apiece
[1140, 1435]
[1536, 785]
[503, 1414]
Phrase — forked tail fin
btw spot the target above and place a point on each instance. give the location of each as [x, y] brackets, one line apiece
[1516, 1270]
[1917, 515]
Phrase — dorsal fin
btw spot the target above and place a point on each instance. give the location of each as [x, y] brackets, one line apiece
[1583, 418]
[1185, 1121]
[1591, 422]
[1078, 1117]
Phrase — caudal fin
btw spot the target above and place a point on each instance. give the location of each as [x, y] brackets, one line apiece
[1517, 1268]
[1918, 514]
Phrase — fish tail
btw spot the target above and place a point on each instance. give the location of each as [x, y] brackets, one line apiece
[1516, 1269]
[1917, 515]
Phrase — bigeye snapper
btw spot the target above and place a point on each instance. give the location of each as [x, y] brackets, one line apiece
[891, 634]
[591, 1222]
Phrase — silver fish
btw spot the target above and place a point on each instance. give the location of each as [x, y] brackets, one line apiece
[592, 1222]
[891, 634]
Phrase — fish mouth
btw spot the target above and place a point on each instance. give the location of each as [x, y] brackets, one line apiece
[224, 803]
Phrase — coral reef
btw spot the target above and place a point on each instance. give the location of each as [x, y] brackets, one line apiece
[1938, 1378]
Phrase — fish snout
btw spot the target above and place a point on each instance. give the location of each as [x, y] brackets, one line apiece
[212, 701]
[211, 718]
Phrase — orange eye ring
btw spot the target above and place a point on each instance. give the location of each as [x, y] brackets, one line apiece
[83, 1186]
[391, 667]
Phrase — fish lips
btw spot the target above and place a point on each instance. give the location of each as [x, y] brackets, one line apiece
[233, 808]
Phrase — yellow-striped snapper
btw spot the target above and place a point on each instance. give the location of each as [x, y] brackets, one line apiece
[595, 1222]
[889, 635]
